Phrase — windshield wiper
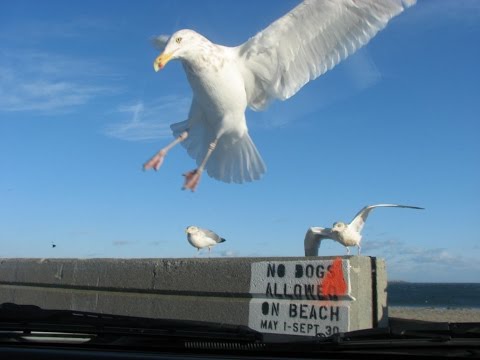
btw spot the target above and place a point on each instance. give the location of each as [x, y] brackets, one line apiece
[27, 319]
[402, 337]
[18, 323]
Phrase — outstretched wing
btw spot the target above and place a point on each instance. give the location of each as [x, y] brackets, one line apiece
[359, 220]
[313, 237]
[308, 41]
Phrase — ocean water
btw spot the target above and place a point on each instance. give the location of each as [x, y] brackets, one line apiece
[446, 295]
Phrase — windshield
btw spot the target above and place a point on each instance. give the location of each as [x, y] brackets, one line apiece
[296, 129]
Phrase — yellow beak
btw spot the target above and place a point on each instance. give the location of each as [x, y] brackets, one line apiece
[162, 60]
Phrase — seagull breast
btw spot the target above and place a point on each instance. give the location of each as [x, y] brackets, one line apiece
[349, 237]
[218, 87]
[199, 240]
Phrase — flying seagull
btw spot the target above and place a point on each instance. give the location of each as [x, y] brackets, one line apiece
[274, 64]
[345, 234]
[202, 238]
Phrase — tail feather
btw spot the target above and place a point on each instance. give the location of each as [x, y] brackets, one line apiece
[236, 162]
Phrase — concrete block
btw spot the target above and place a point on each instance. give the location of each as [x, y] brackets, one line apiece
[299, 296]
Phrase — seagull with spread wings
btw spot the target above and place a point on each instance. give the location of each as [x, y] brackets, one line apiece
[274, 64]
[345, 234]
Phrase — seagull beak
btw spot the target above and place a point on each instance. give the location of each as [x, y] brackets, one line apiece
[162, 60]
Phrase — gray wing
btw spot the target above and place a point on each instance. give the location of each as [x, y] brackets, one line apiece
[359, 220]
[160, 41]
[212, 235]
[313, 237]
[307, 42]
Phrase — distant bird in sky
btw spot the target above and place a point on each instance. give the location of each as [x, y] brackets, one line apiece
[274, 64]
[345, 234]
[53, 245]
[202, 238]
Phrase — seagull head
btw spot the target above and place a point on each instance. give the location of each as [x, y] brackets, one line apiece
[178, 46]
[191, 230]
[339, 227]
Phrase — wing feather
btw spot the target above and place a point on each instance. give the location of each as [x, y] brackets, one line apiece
[212, 235]
[313, 237]
[308, 41]
[359, 220]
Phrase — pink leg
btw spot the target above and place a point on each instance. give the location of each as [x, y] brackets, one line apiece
[156, 161]
[192, 178]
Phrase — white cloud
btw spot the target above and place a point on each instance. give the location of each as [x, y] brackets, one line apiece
[418, 263]
[49, 83]
[149, 121]
[229, 253]
[362, 70]
[121, 243]
[382, 245]
[34, 30]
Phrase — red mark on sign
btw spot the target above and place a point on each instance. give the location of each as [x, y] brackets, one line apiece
[334, 283]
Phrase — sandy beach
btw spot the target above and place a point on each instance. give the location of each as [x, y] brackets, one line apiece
[435, 314]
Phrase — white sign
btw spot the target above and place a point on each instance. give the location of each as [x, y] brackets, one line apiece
[300, 297]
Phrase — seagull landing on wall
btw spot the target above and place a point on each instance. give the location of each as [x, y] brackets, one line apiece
[345, 234]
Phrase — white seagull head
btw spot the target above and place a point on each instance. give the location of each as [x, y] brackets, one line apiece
[191, 230]
[181, 45]
[339, 227]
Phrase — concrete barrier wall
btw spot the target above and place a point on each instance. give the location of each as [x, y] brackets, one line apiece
[303, 296]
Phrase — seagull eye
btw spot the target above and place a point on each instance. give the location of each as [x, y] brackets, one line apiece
[178, 40]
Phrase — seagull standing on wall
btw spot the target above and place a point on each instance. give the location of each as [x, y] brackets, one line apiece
[345, 234]
[202, 238]
[274, 64]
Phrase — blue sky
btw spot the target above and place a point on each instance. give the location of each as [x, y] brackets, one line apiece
[81, 109]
